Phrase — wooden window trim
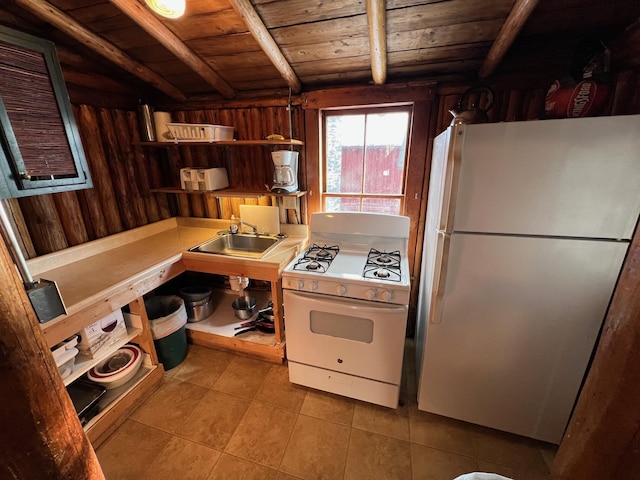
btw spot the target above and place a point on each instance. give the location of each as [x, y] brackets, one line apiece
[403, 107]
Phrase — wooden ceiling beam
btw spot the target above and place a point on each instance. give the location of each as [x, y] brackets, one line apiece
[154, 27]
[69, 26]
[377, 20]
[267, 43]
[508, 33]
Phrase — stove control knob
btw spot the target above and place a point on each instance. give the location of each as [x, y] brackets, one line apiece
[300, 284]
[370, 294]
[314, 286]
[386, 295]
[341, 289]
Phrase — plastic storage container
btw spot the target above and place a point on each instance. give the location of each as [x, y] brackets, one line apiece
[168, 317]
[200, 132]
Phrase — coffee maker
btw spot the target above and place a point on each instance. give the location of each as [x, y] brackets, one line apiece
[285, 171]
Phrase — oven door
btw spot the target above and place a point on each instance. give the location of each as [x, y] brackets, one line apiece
[345, 335]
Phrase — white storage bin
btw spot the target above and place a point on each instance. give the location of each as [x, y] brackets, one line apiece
[66, 361]
[203, 178]
[200, 132]
[61, 348]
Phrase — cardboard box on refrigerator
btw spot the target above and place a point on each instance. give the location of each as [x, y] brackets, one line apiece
[100, 335]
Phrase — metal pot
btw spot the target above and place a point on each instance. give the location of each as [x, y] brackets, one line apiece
[197, 301]
[244, 307]
[464, 114]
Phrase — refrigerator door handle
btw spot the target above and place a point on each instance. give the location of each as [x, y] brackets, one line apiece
[441, 261]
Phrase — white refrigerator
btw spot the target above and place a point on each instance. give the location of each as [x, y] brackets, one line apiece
[527, 227]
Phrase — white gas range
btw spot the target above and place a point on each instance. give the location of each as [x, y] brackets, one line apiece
[345, 302]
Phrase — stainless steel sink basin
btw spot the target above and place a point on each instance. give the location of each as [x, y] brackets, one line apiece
[239, 245]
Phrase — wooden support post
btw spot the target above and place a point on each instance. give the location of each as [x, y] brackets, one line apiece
[257, 28]
[376, 18]
[40, 434]
[508, 33]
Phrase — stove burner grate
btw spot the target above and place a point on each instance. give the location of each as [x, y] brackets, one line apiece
[383, 265]
[317, 258]
[323, 252]
[311, 265]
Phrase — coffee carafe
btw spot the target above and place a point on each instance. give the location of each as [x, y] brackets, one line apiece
[285, 171]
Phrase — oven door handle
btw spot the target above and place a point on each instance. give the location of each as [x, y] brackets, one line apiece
[327, 303]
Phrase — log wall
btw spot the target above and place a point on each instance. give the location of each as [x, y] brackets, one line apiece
[125, 173]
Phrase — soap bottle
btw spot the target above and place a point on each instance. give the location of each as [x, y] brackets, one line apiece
[233, 226]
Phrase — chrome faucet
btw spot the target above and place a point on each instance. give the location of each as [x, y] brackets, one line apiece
[250, 225]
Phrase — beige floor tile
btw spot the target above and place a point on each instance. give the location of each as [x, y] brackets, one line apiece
[374, 457]
[317, 450]
[168, 407]
[130, 450]
[441, 432]
[230, 467]
[514, 473]
[203, 366]
[286, 476]
[263, 434]
[279, 391]
[509, 450]
[382, 420]
[243, 377]
[182, 459]
[214, 420]
[432, 464]
[328, 406]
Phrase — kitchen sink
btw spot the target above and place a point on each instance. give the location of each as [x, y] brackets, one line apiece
[239, 245]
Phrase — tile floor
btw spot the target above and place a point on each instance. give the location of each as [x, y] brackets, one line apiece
[225, 416]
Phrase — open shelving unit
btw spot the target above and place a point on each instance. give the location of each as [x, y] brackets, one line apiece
[224, 143]
[294, 198]
[84, 363]
[114, 405]
[229, 192]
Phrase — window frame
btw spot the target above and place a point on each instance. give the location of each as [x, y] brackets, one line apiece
[364, 110]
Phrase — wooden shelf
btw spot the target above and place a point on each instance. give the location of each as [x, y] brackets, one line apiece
[83, 363]
[117, 403]
[228, 192]
[226, 143]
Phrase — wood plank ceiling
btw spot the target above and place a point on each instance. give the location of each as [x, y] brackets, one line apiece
[224, 49]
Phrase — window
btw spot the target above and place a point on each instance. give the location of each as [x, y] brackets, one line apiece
[364, 163]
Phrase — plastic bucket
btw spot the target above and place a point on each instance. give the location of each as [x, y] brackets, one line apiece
[167, 317]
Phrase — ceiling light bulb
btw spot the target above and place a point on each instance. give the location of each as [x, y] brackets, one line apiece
[167, 8]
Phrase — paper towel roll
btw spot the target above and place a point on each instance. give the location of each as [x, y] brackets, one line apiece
[160, 119]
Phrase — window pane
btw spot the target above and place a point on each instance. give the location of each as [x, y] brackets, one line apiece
[336, 204]
[381, 205]
[345, 159]
[365, 155]
[385, 152]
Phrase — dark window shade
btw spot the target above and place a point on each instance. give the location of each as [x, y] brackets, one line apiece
[32, 108]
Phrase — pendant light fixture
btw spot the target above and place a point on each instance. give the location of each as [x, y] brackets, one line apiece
[167, 8]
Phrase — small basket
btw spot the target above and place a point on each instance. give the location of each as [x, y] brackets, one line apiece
[200, 132]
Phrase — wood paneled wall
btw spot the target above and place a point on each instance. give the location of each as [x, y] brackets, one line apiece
[124, 174]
